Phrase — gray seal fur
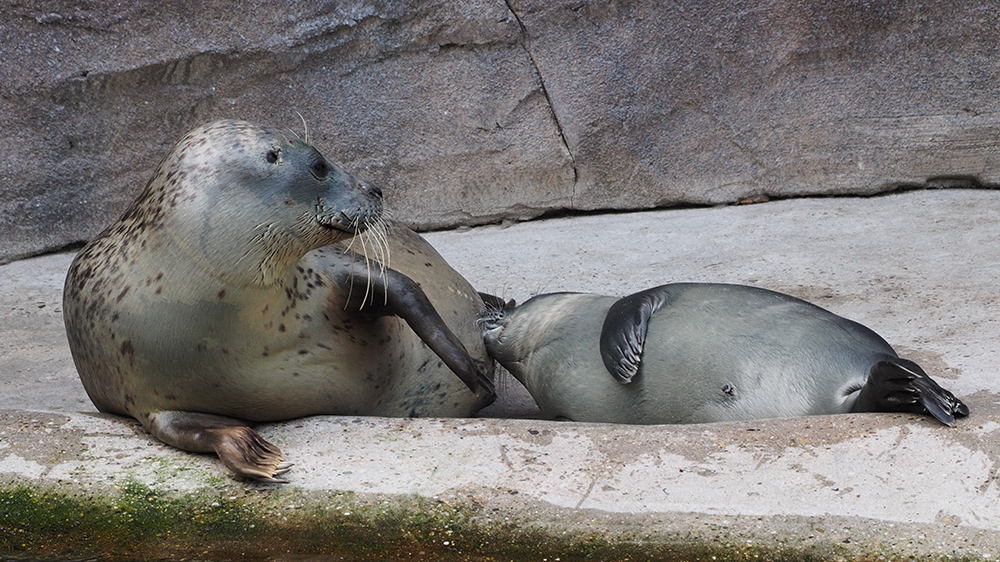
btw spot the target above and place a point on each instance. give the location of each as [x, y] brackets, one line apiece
[232, 291]
[693, 353]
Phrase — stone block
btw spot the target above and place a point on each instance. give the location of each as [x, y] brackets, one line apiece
[474, 111]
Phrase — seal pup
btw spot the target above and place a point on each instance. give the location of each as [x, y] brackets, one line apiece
[227, 294]
[693, 353]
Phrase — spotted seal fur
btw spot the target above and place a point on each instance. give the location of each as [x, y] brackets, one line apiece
[234, 290]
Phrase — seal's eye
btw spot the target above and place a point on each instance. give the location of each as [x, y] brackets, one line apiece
[272, 156]
[319, 169]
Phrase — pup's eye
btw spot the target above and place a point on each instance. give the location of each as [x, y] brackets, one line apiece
[272, 156]
[319, 169]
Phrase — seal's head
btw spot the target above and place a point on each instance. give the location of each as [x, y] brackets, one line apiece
[504, 327]
[250, 201]
[522, 338]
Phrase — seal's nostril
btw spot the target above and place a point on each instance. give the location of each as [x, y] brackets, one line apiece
[369, 188]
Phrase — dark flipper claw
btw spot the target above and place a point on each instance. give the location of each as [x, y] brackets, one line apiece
[899, 385]
[247, 454]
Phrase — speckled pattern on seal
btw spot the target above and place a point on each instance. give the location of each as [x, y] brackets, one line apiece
[246, 283]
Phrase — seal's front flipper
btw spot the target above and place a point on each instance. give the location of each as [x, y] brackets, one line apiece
[624, 331]
[396, 294]
[240, 448]
[899, 385]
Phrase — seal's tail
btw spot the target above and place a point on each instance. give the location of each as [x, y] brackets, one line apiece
[899, 385]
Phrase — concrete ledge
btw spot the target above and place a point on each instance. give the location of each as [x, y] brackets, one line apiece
[918, 267]
[849, 487]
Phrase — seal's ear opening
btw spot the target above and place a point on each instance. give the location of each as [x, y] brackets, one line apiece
[272, 155]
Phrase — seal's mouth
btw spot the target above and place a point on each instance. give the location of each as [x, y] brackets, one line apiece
[347, 221]
[342, 223]
[354, 219]
[491, 325]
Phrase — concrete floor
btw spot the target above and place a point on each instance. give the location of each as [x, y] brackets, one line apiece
[917, 267]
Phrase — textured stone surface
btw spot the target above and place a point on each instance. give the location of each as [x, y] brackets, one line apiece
[436, 102]
[709, 102]
[476, 110]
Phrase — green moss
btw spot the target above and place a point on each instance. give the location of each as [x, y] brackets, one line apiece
[134, 521]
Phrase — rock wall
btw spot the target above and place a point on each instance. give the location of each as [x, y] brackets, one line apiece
[471, 111]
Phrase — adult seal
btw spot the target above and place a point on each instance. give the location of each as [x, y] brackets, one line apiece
[692, 353]
[228, 294]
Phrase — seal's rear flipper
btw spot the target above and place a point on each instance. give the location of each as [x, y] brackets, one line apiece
[624, 331]
[240, 448]
[899, 385]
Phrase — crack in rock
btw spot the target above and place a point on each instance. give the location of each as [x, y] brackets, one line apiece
[548, 98]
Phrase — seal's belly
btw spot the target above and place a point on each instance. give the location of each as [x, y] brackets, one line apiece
[263, 363]
[705, 364]
[318, 374]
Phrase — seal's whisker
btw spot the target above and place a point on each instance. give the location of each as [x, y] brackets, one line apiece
[359, 237]
[376, 239]
[350, 276]
[383, 238]
[350, 244]
[363, 237]
[368, 272]
[369, 287]
[305, 129]
[376, 236]
[350, 285]
[347, 251]
[369, 245]
[380, 237]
